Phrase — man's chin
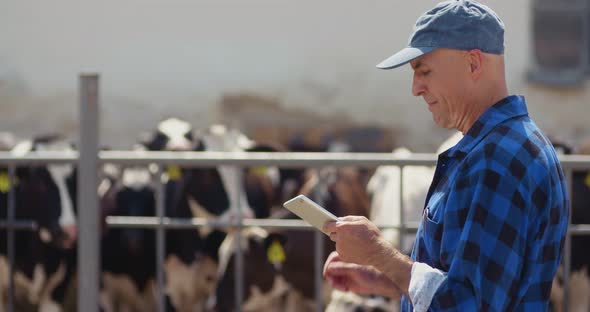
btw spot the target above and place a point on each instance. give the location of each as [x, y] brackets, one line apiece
[441, 123]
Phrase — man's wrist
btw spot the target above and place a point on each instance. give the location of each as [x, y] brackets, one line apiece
[384, 286]
[395, 265]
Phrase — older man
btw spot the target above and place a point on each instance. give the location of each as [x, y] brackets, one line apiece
[495, 217]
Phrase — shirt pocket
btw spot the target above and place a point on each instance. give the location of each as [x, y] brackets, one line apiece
[432, 235]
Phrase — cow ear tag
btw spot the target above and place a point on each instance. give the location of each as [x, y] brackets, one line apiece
[174, 173]
[587, 180]
[5, 182]
[259, 170]
[275, 253]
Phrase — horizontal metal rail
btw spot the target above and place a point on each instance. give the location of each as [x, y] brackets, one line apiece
[192, 223]
[579, 229]
[281, 159]
[20, 225]
[184, 223]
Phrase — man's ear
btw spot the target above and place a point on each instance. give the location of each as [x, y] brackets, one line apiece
[475, 59]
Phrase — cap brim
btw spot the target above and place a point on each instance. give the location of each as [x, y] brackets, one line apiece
[403, 57]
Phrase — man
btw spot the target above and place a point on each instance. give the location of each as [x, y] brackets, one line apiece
[496, 213]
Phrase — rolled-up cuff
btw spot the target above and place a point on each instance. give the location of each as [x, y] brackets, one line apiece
[424, 282]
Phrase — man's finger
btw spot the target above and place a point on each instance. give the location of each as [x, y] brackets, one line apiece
[341, 267]
[333, 236]
[339, 282]
[334, 256]
[350, 218]
[329, 226]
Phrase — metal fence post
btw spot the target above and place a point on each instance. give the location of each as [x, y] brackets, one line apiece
[318, 268]
[239, 264]
[10, 236]
[402, 215]
[88, 225]
[160, 240]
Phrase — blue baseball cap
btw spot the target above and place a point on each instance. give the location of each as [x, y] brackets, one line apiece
[455, 24]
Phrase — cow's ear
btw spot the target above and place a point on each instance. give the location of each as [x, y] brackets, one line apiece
[145, 138]
[199, 145]
[189, 135]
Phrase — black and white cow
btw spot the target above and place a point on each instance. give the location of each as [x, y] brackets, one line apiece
[128, 256]
[43, 195]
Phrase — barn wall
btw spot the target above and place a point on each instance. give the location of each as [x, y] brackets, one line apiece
[160, 58]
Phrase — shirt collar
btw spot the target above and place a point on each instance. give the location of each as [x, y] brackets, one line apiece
[507, 108]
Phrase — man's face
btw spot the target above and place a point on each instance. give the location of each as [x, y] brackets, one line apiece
[442, 79]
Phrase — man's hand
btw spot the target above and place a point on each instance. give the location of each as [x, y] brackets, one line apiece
[357, 239]
[364, 280]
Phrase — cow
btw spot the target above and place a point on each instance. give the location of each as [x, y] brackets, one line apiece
[128, 256]
[43, 194]
[284, 282]
[217, 193]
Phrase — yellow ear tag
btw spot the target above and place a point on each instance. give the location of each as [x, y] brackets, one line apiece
[260, 170]
[174, 173]
[587, 180]
[5, 182]
[275, 253]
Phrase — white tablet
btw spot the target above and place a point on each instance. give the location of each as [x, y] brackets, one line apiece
[309, 211]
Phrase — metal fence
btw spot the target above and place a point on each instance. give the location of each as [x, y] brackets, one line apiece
[89, 158]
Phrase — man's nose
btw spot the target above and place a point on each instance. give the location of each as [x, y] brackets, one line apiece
[417, 86]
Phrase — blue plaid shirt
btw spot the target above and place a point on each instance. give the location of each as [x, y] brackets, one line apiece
[496, 216]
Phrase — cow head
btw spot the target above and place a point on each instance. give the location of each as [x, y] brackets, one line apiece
[221, 191]
[171, 135]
